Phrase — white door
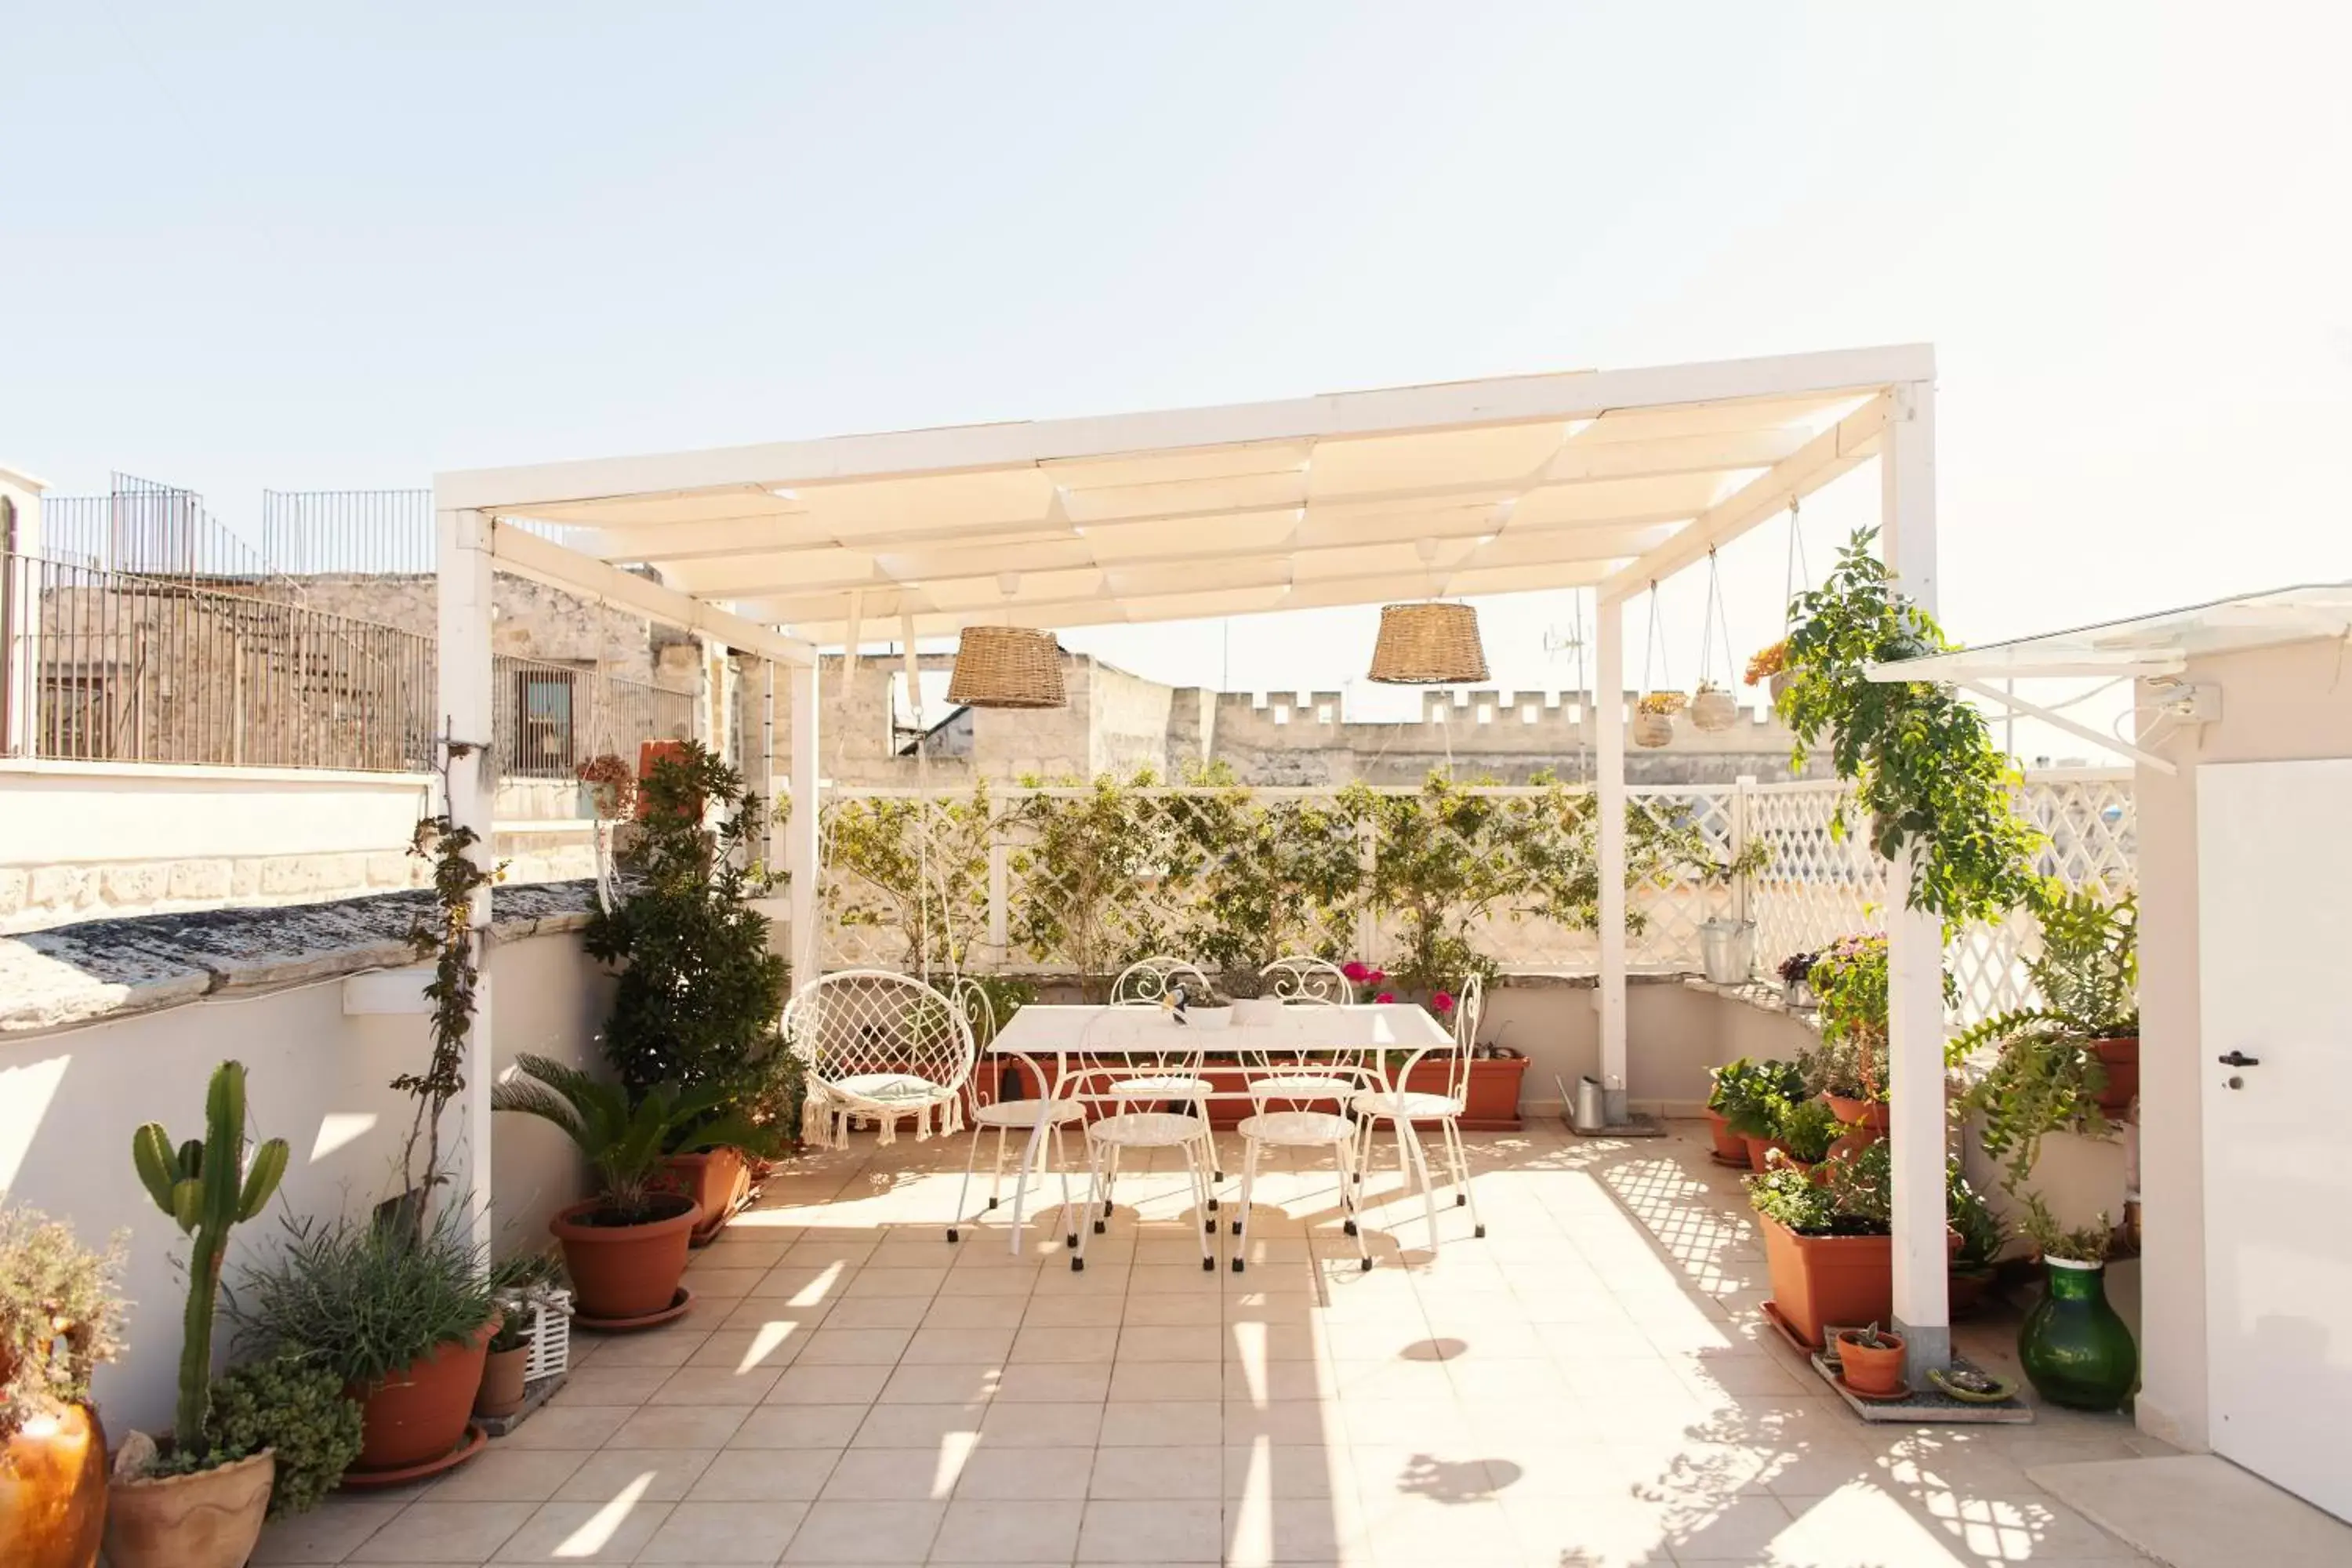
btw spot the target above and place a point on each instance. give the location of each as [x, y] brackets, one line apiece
[2274, 933]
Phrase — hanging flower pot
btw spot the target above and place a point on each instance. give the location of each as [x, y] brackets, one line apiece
[1712, 709]
[1654, 719]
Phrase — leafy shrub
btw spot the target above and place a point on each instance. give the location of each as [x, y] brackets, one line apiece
[364, 1300]
[1808, 1128]
[1753, 1096]
[1982, 1232]
[297, 1410]
[2087, 1244]
[52, 1289]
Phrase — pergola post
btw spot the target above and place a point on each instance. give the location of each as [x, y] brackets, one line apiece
[1915, 939]
[800, 833]
[466, 715]
[1609, 789]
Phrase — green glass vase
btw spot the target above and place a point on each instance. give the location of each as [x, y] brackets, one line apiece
[2075, 1350]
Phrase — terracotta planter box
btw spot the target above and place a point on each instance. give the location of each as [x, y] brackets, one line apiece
[1818, 1280]
[717, 1180]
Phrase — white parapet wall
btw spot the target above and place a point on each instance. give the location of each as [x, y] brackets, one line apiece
[84, 840]
[318, 1078]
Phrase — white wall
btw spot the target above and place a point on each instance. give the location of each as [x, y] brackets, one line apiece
[70, 1101]
[2284, 704]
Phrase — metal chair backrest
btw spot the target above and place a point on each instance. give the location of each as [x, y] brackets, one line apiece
[860, 1021]
[1143, 983]
[1469, 1004]
[1306, 980]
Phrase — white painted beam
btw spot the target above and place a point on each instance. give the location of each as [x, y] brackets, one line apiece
[467, 713]
[1836, 450]
[1608, 718]
[1915, 940]
[1509, 400]
[2072, 726]
[528, 555]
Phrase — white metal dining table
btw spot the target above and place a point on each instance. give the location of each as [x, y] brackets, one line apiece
[1061, 1039]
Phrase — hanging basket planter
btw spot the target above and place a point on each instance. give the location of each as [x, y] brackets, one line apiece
[1428, 645]
[1654, 719]
[1714, 710]
[1007, 666]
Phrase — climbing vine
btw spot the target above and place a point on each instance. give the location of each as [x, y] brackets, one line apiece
[450, 940]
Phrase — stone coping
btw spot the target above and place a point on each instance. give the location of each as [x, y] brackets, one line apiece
[1761, 994]
[94, 969]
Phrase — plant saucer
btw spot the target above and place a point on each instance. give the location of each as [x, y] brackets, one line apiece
[1897, 1397]
[677, 1308]
[1998, 1391]
[472, 1443]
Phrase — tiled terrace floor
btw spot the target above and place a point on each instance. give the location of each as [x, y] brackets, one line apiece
[1591, 1385]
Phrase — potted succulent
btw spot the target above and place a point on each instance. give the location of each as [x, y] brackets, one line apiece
[400, 1313]
[180, 1503]
[1871, 1361]
[2076, 1350]
[1251, 1005]
[58, 1315]
[1828, 1244]
[1712, 709]
[626, 1248]
[1654, 719]
[300, 1415]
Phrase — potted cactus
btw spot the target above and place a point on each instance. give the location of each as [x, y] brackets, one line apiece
[182, 1503]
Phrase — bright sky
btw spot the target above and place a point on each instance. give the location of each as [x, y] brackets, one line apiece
[304, 247]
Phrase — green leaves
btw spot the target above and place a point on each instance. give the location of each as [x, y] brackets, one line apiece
[1923, 762]
[627, 1140]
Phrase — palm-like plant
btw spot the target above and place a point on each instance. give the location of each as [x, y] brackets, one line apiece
[625, 1139]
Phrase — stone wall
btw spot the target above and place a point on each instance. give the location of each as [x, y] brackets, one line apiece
[530, 620]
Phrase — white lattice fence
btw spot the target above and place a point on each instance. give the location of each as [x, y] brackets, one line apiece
[1818, 888]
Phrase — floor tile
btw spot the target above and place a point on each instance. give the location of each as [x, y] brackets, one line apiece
[799, 1427]
[765, 1475]
[651, 1475]
[431, 1531]
[614, 1532]
[676, 1427]
[1162, 1530]
[848, 1533]
[717, 1533]
[1185, 1471]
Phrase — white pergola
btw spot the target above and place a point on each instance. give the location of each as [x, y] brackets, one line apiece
[1607, 480]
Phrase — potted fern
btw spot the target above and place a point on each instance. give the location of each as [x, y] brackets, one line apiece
[626, 1248]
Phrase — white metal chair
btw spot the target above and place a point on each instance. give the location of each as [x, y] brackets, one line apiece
[1296, 1079]
[1299, 1130]
[985, 1107]
[1110, 1136]
[1146, 982]
[878, 1045]
[1405, 1110]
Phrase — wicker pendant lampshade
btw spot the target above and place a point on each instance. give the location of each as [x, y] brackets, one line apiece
[1428, 645]
[1007, 666]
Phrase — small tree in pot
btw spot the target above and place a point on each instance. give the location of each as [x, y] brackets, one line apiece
[626, 1248]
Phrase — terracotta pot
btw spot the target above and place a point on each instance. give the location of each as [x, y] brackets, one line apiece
[1491, 1098]
[2121, 1059]
[1759, 1151]
[1869, 1371]
[1818, 1280]
[209, 1519]
[53, 1491]
[502, 1381]
[1853, 1143]
[1727, 1143]
[717, 1180]
[1967, 1289]
[621, 1271]
[418, 1413]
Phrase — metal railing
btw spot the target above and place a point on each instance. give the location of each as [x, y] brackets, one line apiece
[138, 667]
[311, 533]
[149, 530]
[549, 717]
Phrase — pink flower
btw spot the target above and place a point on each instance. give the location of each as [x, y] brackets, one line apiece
[1355, 972]
[1441, 1002]
[1376, 976]
[1385, 997]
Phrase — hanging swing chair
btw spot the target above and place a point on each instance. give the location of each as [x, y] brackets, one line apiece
[1653, 715]
[1713, 709]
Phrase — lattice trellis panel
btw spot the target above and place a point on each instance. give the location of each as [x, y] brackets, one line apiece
[1817, 887]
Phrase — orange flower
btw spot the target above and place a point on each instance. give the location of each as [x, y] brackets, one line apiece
[1767, 662]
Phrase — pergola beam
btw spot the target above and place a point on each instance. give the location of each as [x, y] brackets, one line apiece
[1840, 448]
[1390, 411]
[527, 554]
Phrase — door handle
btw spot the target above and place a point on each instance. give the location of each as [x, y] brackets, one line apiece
[2239, 1060]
